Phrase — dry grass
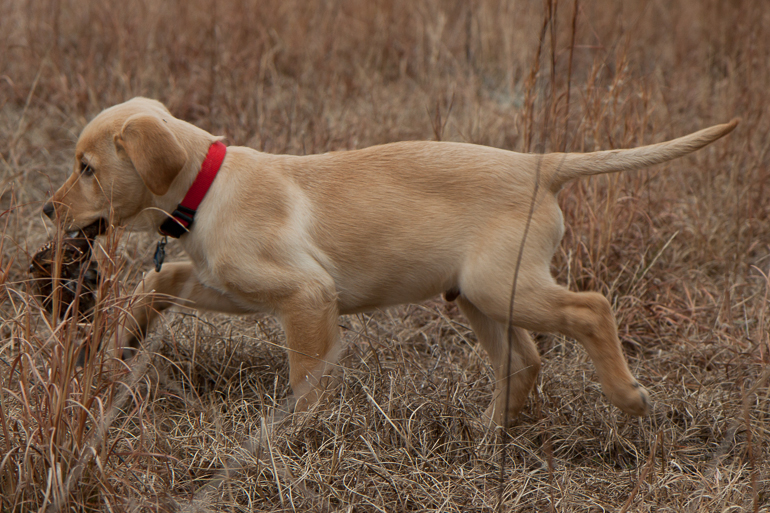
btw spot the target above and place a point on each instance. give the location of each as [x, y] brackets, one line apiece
[682, 250]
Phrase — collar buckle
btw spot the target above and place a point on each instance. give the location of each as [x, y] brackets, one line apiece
[174, 226]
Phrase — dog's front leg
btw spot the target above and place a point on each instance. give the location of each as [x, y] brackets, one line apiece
[175, 285]
[309, 318]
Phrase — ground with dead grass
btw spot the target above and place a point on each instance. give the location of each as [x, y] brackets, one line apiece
[195, 424]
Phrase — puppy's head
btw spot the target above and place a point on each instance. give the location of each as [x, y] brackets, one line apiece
[125, 157]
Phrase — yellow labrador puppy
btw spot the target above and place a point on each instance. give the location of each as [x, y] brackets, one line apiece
[310, 238]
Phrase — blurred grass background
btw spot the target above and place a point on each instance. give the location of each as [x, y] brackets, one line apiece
[682, 250]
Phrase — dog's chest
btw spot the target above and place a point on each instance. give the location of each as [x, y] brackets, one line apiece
[201, 260]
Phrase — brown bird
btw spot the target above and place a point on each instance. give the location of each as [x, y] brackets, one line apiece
[78, 276]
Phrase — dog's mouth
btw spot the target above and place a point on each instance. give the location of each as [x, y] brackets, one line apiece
[90, 232]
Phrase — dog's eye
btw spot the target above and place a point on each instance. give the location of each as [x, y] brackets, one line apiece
[86, 169]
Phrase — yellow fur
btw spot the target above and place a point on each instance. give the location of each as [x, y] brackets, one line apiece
[310, 238]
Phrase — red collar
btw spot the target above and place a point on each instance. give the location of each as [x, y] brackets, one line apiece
[182, 218]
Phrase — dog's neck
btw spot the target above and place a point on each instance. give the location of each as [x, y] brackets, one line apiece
[196, 143]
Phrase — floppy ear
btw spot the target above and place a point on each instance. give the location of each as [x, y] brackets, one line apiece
[154, 150]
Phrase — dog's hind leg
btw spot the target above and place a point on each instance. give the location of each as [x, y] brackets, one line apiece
[542, 305]
[519, 377]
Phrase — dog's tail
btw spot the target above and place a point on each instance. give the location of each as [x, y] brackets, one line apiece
[568, 166]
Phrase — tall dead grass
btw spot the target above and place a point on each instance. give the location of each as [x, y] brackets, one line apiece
[681, 250]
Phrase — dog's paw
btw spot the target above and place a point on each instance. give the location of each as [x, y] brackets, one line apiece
[491, 419]
[635, 400]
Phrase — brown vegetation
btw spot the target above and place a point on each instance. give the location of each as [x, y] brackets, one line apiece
[682, 250]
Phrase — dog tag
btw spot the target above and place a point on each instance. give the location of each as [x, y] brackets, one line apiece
[160, 254]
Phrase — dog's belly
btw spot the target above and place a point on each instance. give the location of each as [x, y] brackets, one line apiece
[369, 294]
[390, 275]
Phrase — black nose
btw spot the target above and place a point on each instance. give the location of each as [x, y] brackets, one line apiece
[48, 210]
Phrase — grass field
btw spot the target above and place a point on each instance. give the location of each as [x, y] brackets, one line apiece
[681, 250]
